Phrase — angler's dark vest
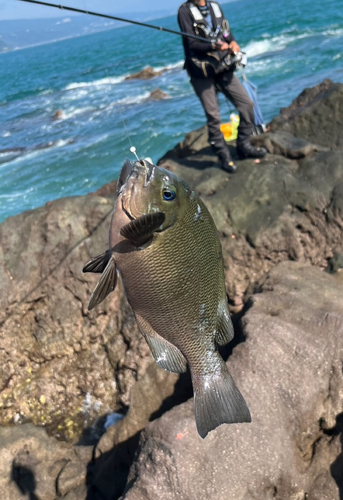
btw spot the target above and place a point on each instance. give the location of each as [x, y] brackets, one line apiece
[200, 24]
[212, 63]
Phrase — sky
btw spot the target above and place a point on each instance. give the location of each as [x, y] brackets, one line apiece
[16, 9]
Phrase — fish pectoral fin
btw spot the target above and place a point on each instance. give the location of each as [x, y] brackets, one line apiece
[140, 230]
[166, 355]
[98, 264]
[217, 401]
[224, 331]
[106, 284]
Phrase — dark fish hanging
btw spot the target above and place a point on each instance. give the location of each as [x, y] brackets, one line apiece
[165, 244]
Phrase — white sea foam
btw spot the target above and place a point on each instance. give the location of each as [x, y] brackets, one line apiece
[31, 153]
[60, 143]
[108, 80]
[273, 44]
[134, 99]
[75, 94]
[11, 196]
[169, 67]
[70, 113]
[6, 134]
[333, 32]
[265, 65]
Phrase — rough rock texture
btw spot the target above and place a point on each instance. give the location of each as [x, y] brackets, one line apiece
[316, 115]
[60, 365]
[31, 463]
[290, 372]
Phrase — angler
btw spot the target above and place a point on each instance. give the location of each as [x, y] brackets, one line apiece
[211, 68]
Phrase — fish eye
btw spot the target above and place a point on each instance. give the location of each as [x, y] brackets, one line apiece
[169, 195]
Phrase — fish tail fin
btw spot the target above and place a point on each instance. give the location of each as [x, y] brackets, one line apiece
[217, 401]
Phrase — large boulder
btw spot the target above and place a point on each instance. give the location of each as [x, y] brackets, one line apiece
[290, 372]
[316, 115]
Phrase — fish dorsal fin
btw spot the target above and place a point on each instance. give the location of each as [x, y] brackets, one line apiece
[124, 174]
[224, 333]
[106, 284]
[140, 230]
[97, 264]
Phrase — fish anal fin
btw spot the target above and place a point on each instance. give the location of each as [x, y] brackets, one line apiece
[106, 284]
[98, 264]
[140, 230]
[224, 331]
[166, 355]
[217, 401]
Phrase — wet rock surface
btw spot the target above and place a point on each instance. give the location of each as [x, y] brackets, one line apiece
[145, 74]
[158, 95]
[63, 367]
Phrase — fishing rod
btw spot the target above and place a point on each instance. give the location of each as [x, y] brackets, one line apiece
[107, 16]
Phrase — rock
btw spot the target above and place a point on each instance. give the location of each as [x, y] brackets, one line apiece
[289, 371]
[145, 74]
[62, 366]
[31, 463]
[285, 144]
[315, 115]
[158, 95]
[194, 142]
[335, 263]
[58, 115]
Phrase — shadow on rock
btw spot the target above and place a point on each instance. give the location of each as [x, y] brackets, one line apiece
[107, 475]
[24, 478]
[336, 467]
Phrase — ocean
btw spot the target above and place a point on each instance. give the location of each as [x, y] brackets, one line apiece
[290, 45]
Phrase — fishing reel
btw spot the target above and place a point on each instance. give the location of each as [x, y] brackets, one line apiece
[233, 61]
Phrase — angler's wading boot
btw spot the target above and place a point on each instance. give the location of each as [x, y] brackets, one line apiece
[224, 158]
[246, 150]
[227, 163]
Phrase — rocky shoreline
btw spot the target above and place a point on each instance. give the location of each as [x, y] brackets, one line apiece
[62, 368]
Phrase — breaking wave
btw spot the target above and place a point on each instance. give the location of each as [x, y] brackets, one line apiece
[108, 80]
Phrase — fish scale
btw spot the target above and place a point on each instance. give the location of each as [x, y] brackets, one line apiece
[165, 245]
[184, 261]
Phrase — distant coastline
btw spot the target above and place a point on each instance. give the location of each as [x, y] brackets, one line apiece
[27, 33]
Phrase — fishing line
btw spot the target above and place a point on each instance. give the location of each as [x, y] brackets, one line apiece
[122, 116]
[132, 148]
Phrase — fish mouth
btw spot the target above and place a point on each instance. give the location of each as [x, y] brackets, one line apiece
[141, 175]
[144, 168]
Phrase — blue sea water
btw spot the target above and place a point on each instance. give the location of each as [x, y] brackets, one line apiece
[290, 45]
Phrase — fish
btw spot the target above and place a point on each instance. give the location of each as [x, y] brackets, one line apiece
[165, 246]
